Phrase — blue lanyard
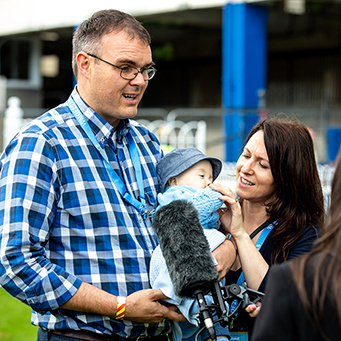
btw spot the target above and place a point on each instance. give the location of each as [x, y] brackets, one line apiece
[139, 205]
[259, 244]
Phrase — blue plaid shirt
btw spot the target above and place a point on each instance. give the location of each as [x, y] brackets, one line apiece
[62, 220]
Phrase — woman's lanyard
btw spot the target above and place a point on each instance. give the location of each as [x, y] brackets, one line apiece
[139, 205]
[259, 243]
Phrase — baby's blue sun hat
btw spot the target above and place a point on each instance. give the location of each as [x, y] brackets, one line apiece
[180, 159]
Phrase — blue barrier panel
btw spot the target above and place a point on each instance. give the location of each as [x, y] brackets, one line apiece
[333, 142]
[236, 127]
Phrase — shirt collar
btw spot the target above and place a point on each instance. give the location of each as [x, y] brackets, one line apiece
[101, 128]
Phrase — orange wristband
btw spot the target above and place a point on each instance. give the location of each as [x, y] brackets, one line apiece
[121, 308]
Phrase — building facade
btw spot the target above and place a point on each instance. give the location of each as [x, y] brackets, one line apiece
[285, 56]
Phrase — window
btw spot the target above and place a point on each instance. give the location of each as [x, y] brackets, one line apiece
[15, 59]
[19, 62]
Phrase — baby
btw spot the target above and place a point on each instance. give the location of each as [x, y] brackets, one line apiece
[185, 174]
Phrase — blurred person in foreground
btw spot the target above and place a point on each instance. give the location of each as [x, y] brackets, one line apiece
[303, 299]
[78, 186]
[278, 212]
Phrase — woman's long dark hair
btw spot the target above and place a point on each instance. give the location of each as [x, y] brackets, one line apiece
[324, 260]
[299, 199]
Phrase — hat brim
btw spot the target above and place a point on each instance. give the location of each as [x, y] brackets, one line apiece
[179, 160]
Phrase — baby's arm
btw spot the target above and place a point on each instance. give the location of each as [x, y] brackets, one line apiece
[160, 279]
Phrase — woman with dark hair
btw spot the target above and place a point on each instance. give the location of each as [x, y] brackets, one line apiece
[311, 306]
[280, 207]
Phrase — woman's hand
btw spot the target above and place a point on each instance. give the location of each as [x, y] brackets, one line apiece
[231, 218]
[252, 262]
[253, 309]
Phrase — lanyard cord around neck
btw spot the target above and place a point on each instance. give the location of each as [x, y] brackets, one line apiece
[139, 205]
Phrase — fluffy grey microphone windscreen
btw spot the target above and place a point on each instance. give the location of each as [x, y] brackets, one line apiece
[185, 248]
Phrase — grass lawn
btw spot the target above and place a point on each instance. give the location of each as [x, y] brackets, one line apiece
[15, 320]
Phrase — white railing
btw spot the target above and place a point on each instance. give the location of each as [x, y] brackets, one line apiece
[171, 133]
[177, 134]
[14, 119]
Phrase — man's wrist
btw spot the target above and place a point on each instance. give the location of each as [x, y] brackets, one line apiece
[121, 308]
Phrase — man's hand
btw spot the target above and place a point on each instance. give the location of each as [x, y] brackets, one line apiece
[144, 307]
[225, 254]
[141, 306]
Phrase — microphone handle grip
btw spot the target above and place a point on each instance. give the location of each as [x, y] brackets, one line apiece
[205, 314]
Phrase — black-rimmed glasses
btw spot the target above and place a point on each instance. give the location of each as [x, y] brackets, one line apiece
[128, 72]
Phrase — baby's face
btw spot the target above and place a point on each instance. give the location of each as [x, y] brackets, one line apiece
[197, 176]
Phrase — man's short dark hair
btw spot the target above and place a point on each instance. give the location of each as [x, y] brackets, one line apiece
[89, 33]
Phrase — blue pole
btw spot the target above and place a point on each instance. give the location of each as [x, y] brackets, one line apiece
[244, 51]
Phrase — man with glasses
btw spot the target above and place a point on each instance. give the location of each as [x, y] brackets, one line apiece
[78, 187]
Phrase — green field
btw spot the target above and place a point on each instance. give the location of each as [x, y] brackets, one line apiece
[15, 320]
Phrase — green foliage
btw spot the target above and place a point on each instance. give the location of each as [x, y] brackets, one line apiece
[15, 320]
[163, 53]
[315, 7]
